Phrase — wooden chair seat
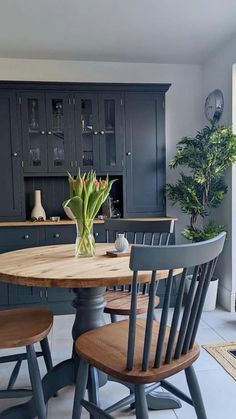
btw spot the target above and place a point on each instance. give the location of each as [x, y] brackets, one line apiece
[109, 354]
[118, 302]
[24, 326]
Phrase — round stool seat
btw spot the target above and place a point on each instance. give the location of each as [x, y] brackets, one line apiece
[24, 326]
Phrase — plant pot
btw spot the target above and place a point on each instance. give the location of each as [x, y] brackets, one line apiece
[210, 301]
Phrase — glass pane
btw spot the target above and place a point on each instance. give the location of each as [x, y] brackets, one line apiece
[87, 131]
[58, 135]
[35, 153]
[33, 114]
[110, 137]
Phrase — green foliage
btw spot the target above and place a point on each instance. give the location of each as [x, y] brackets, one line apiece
[208, 232]
[206, 156]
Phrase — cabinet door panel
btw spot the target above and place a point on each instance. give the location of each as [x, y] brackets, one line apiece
[145, 154]
[59, 110]
[111, 132]
[3, 294]
[19, 294]
[87, 136]
[34, 131]
[11, 174]
[59, 294]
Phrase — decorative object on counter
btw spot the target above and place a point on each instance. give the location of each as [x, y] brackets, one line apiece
[87, 194]
[109, 210]
[121, 244]
[69, 213]
[38, 211]
[55, 219]
[33, 219]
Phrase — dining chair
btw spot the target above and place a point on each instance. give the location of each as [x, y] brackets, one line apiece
[147, 232]
[143, 351]
[25, 327]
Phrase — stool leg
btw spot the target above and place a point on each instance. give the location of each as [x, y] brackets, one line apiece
[14, 375]
[36, 382]
[80, 387]
[114, 318]
[46, 354]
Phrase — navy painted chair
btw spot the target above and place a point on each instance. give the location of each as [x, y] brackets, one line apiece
[148, 232]
[143, 351]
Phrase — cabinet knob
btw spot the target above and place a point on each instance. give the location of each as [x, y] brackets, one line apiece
[57, 235]
[15, 154]
[96, 234]
[128, 153]
[49, 132]
[102, 132]
[26, 236]
[43, 132]
[95, 133]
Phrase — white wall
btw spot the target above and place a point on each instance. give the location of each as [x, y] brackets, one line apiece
[217, 73]
[183, 101]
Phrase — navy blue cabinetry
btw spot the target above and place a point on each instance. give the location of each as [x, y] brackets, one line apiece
[10, 158]
[14, 238]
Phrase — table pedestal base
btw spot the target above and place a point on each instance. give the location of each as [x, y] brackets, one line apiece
[89, 304]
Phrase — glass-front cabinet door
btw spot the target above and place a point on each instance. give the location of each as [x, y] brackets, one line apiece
[111, 128]
[86, 128]
[33, 131]
[59, 111]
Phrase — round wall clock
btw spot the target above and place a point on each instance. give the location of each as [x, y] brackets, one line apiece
[214, 105]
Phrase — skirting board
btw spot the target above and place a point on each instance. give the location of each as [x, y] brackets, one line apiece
[226, 299]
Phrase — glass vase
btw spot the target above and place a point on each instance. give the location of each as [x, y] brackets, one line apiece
[85, 242]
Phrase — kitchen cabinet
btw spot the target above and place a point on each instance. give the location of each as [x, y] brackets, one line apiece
[145, 154]
[11, 184]
[99, 131]
[47, 131]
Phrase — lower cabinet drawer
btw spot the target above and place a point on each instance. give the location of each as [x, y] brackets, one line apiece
[60, 235]
[17, 238]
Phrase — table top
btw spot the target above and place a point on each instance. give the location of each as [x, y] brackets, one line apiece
[56, 266]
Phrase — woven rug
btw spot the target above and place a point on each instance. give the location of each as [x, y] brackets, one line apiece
[225, 354]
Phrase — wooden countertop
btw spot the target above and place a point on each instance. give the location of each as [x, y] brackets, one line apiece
[29, 223]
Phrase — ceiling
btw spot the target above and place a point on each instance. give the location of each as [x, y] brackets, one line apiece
[158, 31]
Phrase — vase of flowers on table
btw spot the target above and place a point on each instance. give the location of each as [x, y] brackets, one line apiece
[87, 194]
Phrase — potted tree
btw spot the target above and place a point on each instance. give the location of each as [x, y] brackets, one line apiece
[201, 186]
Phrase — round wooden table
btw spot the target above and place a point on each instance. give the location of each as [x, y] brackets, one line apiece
[56, 266]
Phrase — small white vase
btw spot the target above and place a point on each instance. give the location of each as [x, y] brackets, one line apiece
[121, 243]
[38, 210]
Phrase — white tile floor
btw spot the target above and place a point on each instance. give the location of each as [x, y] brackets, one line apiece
[218, 388]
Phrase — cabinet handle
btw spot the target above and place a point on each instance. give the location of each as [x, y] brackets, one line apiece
[41, 294]
[95, 133]
[49, 132]
[46, 293]
[43, 132]
[15, 154]
[26, 236]
[102, 132]
[128, 153]
[72, 163]
[76, 163]
[57, 235]
[96, 234]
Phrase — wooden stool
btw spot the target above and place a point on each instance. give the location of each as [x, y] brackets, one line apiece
[25, 327]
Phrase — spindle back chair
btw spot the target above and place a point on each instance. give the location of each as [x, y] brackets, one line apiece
[154, 350]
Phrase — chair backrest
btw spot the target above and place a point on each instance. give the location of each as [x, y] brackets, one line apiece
[141, 231]
[199, 259]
